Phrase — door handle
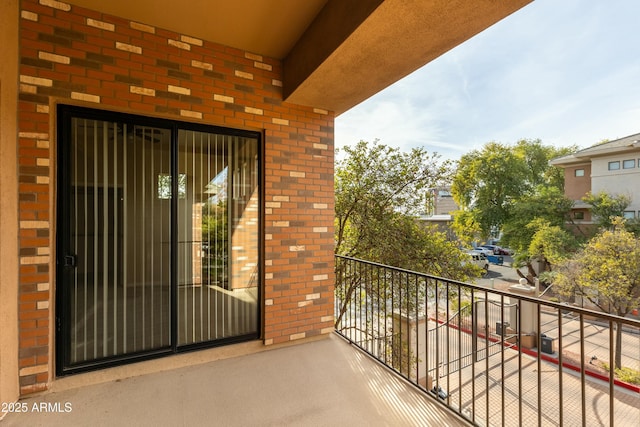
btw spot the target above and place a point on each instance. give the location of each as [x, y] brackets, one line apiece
[70, 261]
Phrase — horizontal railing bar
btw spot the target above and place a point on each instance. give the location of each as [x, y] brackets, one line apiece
[556, 305]
[482, 357]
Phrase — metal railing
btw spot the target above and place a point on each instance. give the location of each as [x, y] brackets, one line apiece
[493, 357]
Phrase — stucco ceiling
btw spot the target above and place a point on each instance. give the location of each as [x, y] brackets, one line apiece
[335, 53]
[267, 27]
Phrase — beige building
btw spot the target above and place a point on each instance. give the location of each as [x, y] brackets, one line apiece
[612, 167]
[440, 202]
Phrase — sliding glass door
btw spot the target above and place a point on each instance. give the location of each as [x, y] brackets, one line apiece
[157, 239]
[217, 236]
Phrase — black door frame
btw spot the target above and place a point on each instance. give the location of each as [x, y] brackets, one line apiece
[65, 262]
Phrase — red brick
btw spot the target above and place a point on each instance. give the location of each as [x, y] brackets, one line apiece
[284, 317]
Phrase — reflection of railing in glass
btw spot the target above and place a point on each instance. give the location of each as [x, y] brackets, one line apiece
[244, 214]
[218, 234]
[215, 259]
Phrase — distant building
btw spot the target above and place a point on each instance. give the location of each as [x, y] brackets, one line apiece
[612, 167]
[440, 204]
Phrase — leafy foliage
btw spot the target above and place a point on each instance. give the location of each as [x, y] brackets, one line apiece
[379, 192]
[628, 375]
[547, 207]
[550, 243]
[214, 225]
[633, 226]
[497, 184]
[215, 235]
[606, 272]
[465, 227]
[605, 207]
[484, 184]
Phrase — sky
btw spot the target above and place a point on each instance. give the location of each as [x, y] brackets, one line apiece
[563, 71]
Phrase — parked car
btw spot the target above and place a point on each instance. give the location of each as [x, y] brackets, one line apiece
[504, 251]
[507, 251]
[484, 250]
[492, 248]
[497, 250]
[479, 259]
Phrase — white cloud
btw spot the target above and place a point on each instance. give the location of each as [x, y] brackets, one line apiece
[565, 72]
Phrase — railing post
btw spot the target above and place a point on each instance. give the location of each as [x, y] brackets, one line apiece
[408, 341]
[528, 317]
[474, 331]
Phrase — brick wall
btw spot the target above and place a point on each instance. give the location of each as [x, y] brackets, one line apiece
[78, 56]
[576, 187]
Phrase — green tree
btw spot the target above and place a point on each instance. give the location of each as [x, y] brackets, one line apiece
[536, 157]
[547, 206]
[379, 191]
[375, 187]
[485, 184]
[607, 273]
[550, 244]
[514, 189]
[633, 226]
[605, 207]
[489, 183]
[465, 227]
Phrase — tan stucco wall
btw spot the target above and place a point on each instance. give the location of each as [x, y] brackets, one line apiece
[336, 53]
[8, 202]
[617, 182]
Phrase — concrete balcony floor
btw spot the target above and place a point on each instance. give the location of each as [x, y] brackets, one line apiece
[321, 382]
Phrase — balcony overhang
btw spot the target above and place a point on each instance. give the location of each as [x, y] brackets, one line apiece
[351, 53]
[335, 53]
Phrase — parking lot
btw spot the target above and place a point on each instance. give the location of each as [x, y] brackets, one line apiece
[500, 276]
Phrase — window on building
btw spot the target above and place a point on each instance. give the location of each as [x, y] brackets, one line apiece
[629, 214]
[579, 172]
[629, 164]
[578, 215]
[614, 166]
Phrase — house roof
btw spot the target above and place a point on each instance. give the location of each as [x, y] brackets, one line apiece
[436, 218]
[627, 144]
[335, 53]
[579, 204]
